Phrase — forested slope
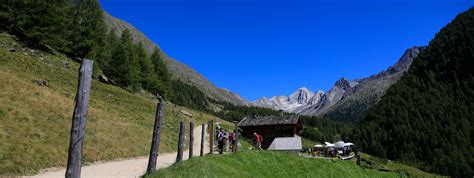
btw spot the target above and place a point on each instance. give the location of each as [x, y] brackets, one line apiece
[79, 29]
[427, 117]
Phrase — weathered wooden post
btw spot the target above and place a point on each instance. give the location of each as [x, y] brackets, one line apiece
[155, 141]
[358, 159]
[211, 136]
[74, 160]
[191, 139]
[236, 137]
[202, 139]
[179, 157]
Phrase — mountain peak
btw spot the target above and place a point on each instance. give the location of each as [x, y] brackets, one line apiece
[304, 89]
[319, 92]
[406, 59]
[264, 98]
[343, 83]
[301, 96]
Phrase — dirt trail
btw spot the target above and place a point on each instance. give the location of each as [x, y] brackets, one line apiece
[135, 167]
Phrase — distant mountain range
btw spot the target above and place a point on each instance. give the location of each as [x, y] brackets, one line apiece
[177, 69]
[347, 99]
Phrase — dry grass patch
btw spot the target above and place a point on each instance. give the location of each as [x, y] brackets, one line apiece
[35, 120]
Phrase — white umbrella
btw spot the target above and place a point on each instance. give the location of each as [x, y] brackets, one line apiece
[318, 146]
[329, 145]
[339, 144]
[348, 144]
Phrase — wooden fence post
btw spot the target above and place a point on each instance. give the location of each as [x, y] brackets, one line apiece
[211, 136]
[179, 157]
[202, 140]
[191, 139]
[74, 160]
[236, 137]
[155, 140]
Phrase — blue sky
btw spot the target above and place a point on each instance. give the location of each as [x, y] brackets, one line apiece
[262, 48]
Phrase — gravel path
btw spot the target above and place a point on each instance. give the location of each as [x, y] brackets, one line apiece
[135, 167]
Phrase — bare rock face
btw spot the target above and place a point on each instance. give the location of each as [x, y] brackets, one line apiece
[316, 97]
[343, 84]
[301, 96]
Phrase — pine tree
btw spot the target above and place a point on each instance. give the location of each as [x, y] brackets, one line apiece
[88, 30]
[148, 77]
[40, 24]
[111, 44]
[124, 67]
[164, 77]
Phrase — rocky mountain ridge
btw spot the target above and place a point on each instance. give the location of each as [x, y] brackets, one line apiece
[347, 99]
[292, 103]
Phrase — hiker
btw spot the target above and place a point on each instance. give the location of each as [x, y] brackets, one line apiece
[220, 142]
[258, 141]
[231, 140]
[216, 133]
[226, 143]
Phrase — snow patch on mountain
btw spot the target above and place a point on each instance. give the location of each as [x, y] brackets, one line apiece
[294, 102]
[304, 101]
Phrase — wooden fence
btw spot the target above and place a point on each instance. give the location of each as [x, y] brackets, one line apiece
[79, 124]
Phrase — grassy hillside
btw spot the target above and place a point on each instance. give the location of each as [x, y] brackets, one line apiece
[278, 164]
[35, 120]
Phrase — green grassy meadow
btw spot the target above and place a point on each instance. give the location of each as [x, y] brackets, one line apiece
[277, 164]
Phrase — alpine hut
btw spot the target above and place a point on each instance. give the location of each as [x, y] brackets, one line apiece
[270, 127]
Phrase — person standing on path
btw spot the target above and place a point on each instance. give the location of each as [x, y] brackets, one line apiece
[258, 141]
[220, 142]
[231, 140]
